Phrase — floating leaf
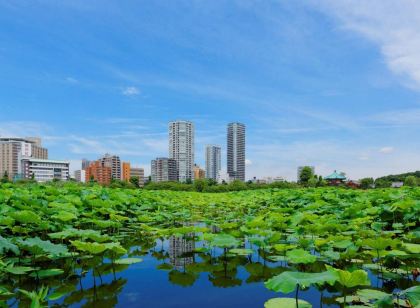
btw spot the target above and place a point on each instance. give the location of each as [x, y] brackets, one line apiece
[128, 261]
[287, 282]
[286, 302]
[300, 256]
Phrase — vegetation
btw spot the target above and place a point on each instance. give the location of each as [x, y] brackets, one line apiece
[386, 181]
[53, 236]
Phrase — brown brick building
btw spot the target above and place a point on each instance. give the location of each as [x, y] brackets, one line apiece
[99, 172]
[126, 171]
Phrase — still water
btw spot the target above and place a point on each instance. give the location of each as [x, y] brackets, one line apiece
[180, 272]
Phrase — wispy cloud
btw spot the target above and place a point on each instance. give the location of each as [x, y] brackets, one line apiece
[392, 25]
[386, 150]
[130, 91]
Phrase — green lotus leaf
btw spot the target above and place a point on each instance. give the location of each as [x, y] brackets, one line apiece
[47, 273]
[38, 246]
[370, 294]
[343, 244]
[412, 248]
[413, 295]
[300, 256]
[18, 270]
[128, 261]
[287, 282]
[285, 302]
[26, 217]
[92, 248]
[241, 251]
[350, 279]
[224, 241]
[6, 245]
[64, 216]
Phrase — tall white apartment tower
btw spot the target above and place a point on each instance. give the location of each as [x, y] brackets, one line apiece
[236, 151]
[213, 161]
[181, 148]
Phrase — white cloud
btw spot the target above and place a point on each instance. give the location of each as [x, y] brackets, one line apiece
[248, 162]
[393, 25]
[386, 150]
[130, 91]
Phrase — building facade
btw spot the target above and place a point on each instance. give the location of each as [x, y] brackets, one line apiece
[85, 163]
[164, 169]
[236, 151]
[44, 170]
[181, 148]
[99, 173]
[13, 150]
[213, 162]
[139, 173]
[114, 162]
[125, 172]
[199, 173]
[80, 176]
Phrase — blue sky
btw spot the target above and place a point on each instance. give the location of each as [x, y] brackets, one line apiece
[333, 84]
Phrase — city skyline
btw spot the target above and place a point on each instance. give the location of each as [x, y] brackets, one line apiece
[327, 84]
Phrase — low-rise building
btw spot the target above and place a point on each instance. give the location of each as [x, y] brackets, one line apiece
[199, 173]
[44, 170]
[99, 173]
[139, 173]
[335, 178]
[80, 176]
[163, 169]
[125, 172]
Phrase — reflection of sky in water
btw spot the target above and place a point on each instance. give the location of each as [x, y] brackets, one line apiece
[147, 286]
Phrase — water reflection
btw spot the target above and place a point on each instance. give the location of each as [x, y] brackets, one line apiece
[181, 250]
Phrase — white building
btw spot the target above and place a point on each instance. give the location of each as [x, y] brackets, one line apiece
[80, 176]
[236, 151]
[44, 170]
[213, 162]
[181, 148]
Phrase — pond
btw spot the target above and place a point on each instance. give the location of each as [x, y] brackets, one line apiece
[181, 271]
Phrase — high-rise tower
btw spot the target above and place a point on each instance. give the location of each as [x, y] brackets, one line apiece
[236, 151]
[213, 161]
[181, 148]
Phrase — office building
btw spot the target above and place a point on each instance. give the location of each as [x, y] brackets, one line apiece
[12, 150]
[181, 148]
[125, 173]
[44, 170]
[80, 176]
[236, 151]
[213, 162]
[98, 172]
[114, 163]
[139, 173]
[163, 169]
[85, 163]
[198, 173]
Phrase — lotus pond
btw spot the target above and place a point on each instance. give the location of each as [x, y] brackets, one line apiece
[67, 245]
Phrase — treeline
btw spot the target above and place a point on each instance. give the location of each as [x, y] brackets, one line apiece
[408, 179]
[206, 185]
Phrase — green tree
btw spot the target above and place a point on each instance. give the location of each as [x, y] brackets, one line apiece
[411, 181]
[135, 180]
[312, 182]
[382, 183]
[188, 181]
[305, 175]
[366, 183]
[200, 185]
[5, 178]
